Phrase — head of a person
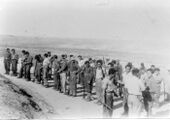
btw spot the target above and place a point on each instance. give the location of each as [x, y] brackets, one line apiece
[23, 52]
[80, 57]
[135, 72]
[153, 67]
[63, 56]
[99, 63]
[142, 65]
[157, 71]
[36, 57]
[149, 72]
[128, 68]
[13, 51]
[8, 50]
[110, 65]
[45, 55]
[87, 63]
[111, 73]
[55, 57]
[114, 62]
[49, 54]
[90, 60]
[27, 53]
[71, 57]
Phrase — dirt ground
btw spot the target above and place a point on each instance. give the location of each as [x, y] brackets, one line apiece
[21, 99]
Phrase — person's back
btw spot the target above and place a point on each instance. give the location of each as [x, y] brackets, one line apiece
[135, 86]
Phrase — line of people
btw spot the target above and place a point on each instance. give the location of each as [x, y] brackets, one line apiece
[137, 87]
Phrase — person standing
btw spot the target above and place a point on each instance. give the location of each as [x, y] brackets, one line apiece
[150, 84]
[158, 79]
[22, 69]
[99, 76]
[135, 94]
[127, 75]
[63, 73]
[56, 67]
[88, 80]
[28, 64]
[38, 69]
[46, 63]
[73, 75]
[14, 62]
[108, 94]
[7, 61]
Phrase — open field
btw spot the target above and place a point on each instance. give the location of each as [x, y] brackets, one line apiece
[85, 47]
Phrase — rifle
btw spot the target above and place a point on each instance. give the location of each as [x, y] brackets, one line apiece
[104, 65]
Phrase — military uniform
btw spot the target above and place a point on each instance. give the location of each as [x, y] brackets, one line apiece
[56, 67]
[88, 79]
[7, 61]
[63, 75]
[73, 75]
[28, 64]
[14, 63]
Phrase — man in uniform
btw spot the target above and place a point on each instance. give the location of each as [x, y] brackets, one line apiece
[56, 67]
[73, 70]
[28, 64]
[14, 62]
[88, 80]
[63, 73]
[7, 60]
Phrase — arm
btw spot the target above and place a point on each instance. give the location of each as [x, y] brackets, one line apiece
[64, 65]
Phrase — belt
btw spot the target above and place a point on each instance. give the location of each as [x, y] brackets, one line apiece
[134, 94]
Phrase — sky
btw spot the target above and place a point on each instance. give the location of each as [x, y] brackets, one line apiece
[141, 25]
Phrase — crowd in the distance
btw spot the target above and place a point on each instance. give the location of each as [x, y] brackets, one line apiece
[137, 87]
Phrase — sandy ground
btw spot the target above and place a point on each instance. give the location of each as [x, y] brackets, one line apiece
[69, 107]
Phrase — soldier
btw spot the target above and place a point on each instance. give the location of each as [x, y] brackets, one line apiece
[56, 67]
[46, 63]
[73, 75]
[28, 64]
[7, 61]
[81, 65]
[14, 62]
[22, 70]
[88, 80]
[50, 66]
[63, 73]
[99, 76]
[108, 93]
[38, 69]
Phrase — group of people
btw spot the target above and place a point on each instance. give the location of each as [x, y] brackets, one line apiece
[138, 87]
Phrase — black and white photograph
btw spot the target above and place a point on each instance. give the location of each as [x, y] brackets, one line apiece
[84, 59]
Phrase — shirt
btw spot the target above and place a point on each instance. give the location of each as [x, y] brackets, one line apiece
[126, 78]
[108, 85]
[46, 62]
[99, 73]
[135, 86]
